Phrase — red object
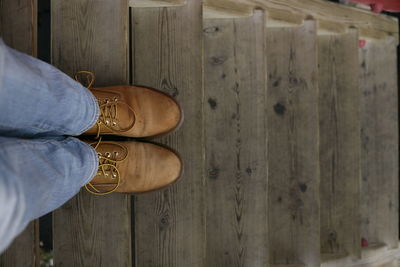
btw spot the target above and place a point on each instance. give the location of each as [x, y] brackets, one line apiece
[378, 6]
[361, 43]
[364, 242]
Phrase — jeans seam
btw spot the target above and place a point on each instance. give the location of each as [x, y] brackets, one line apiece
[40, 141]
[43, 129]
[37, 142]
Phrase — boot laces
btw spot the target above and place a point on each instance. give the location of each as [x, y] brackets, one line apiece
[108, 168]
[108, 107]
[108, 115]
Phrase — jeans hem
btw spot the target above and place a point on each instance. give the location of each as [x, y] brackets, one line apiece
[93, 104]
[95, 161]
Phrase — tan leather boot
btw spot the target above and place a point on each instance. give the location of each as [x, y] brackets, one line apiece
[133, 167]
[133, 111]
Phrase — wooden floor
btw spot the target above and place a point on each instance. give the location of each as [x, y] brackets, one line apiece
[236, 184]
[290, 141]
[339, 150]
[167, 54]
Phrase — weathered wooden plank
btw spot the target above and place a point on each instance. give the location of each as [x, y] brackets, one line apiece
[92, 35]
[24, 251]
[329, 15]
[235, 142]
[292, 129]
[339, 121]
[18, 28]
[380, 146]
[167, 54]
[18, 25]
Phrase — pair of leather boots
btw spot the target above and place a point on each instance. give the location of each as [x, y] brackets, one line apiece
[138, 112]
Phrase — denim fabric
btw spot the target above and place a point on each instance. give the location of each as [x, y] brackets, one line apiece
[37, 176]
[40, 168]
[38, 99]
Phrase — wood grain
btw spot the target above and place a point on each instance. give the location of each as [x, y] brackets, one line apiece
[18, 28]
[339, 121]
[18, 25]
[380, 145]
[24, 251]
[92, 35]
[292, 129]
[235, 141]
[167, 55]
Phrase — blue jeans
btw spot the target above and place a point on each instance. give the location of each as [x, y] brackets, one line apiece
[40, 166]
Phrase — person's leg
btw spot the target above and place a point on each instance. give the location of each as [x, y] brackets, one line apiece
[38, 176]
[38, 99]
